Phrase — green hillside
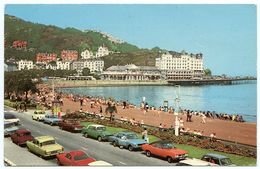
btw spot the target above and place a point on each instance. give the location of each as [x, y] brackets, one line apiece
[48, 38]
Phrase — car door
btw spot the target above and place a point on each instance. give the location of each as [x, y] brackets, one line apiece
[157, 149]
[14, 137]
[67, 160]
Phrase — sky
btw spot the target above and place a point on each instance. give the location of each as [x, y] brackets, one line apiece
[225, 34]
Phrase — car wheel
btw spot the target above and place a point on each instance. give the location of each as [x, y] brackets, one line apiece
[38, 119]
[99, 138]
[51, 124]
[130, 148]
[148, 153]
[169, 159]
[86, 135]
[114, 144]
[58, 162]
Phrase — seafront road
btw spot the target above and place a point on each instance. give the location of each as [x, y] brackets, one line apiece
[72, 141]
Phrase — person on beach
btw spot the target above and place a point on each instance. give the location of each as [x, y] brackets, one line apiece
[203, 118]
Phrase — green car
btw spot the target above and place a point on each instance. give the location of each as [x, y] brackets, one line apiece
[98, 132]
[44, 146]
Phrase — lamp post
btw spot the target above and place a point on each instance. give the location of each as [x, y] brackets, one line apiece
[177, 102]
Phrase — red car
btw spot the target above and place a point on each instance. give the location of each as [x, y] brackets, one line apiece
[20, 136]
[74, 158]
[164, 149]
[71, 126]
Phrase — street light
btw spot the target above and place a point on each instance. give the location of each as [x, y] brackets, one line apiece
[177, 103]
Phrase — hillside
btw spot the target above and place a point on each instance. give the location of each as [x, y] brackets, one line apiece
[48, 38]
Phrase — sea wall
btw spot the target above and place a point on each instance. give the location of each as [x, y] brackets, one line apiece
[93, 83]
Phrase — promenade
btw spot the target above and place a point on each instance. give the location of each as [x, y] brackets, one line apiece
[228, 130]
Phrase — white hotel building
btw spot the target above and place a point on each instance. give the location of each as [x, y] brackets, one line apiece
[94, 65]
[180, 66]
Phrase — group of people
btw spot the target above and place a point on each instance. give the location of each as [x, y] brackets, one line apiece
[208, 114]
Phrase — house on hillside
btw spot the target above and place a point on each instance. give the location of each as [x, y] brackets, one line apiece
[46, 57]
[63, 65]
[86, 54]
[69, 55]
[25, 64]
[51, 65]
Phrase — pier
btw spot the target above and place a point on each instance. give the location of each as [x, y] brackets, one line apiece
[219, 81]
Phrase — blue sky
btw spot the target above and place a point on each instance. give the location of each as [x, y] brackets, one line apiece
[225, 34]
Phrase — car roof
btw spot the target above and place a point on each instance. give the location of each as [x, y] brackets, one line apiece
[215, 155]
[76, 152]
[196, 162]
[21, 131]
[162, 141]
[44, 138]
[96, 125]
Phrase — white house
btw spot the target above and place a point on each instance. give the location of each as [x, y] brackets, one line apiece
[63, 65]
[51, 65]
[102, 51]
[86, 54]
[25, 64]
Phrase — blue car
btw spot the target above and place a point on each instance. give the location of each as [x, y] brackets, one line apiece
[51, 119]
[126, 139]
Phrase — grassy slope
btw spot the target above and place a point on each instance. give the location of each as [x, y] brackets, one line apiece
[194, 152]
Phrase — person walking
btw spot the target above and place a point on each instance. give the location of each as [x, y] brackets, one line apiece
[145, 135]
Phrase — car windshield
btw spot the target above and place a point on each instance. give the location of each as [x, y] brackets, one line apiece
[226, 161]
[39, 112]
[48, 142]
[9, 116]
[131, 136]
[80, 157]
[168, 145]
[101, 128]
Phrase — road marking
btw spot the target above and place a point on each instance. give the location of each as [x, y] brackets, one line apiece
[122, 163]
[10, 163]
[84, 148]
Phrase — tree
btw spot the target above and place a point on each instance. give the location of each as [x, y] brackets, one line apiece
[19, 82]
[207, 72]
[86, 72]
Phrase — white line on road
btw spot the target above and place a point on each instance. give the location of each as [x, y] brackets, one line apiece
[122, 163]
[84, 148]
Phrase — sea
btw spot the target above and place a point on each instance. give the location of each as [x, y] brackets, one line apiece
[231, 99]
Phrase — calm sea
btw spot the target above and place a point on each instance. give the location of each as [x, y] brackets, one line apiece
[231, 99]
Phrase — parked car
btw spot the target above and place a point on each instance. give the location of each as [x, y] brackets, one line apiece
[20, 137]
[74, 158]
[194, 162]
[38, 115]
[11, 118]
[51, 119]
[164, 149]
[70, 125]
[100, 163]
[9, 128]
[96, 131]
[126, 139]
[217, 159]
[44, 146]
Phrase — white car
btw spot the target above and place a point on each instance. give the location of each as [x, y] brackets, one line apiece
[194, 162]
[38, 115]
[99, 163]
[11, 118]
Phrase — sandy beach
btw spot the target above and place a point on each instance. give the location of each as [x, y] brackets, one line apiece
[228, 130]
